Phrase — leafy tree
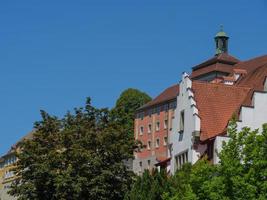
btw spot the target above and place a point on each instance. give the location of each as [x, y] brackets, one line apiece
[77, 157]
[150, 186]
[127, 104]
[180, 188]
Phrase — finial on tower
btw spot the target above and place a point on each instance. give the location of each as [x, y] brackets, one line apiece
[221, 40]
[221, 28]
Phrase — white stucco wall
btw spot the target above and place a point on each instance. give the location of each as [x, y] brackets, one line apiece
[218, 147]
[255, 116]
[186, 103]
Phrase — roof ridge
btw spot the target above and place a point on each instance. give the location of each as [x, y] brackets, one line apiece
[220, 84]
[255, 58]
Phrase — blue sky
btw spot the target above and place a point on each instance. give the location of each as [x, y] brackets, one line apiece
[53, 54]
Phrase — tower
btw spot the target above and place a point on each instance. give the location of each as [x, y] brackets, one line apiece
[221, 41]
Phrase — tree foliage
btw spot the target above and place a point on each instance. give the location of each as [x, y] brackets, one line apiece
[77, 157]
[150, 186]
[127, 104]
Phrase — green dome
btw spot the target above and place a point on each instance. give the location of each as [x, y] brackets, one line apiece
[221, 33]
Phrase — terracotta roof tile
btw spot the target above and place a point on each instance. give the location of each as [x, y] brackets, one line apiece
[222, 63]
[256, 76]
[221, 67]
[222, 58]
[217, 103]
[167, 95]
[252, 64]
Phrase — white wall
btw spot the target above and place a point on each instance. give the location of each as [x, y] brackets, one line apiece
[186, 103]
[218, 147]
[255, 116]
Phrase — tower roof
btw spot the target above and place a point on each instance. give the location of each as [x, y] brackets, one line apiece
[221, 33]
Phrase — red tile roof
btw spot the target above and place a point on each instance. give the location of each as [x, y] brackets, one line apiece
[216, 104]
[252, 64]
[221, 58]
[167, 95]
[221, 63]
[219, 67]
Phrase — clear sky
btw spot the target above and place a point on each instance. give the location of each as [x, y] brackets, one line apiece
[53, 54]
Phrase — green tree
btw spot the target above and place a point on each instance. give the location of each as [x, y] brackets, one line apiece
[150, 186]
[180, 188]
[77, 157]
[127, 104]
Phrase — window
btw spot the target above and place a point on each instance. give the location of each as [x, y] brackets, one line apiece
[150, 112]
[148, 164]
[149, 145]
[158, 110]
[142, 114]
[165, 141]
[210, 149]
[165, 124]
[157, 126]
[181, 135]
[182, 121]
[172, 105]
[149, 128]
[181, 159]
[157, 143]
[165, 107]
[141, 130]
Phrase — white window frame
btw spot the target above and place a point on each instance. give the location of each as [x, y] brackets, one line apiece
[165, 124]
[157, 126]
[149, 128]
[157, 143]
[165, 141]
[141, 130]
[149, 145]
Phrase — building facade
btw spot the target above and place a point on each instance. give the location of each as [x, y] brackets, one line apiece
[206, 100]
[153, 123]
[7, 175]
[7, 166]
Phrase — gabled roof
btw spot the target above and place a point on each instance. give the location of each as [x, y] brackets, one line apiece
[216, 104]
[167, 95]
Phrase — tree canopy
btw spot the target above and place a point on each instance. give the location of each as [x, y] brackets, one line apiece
[77, 157]
[127, 104]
